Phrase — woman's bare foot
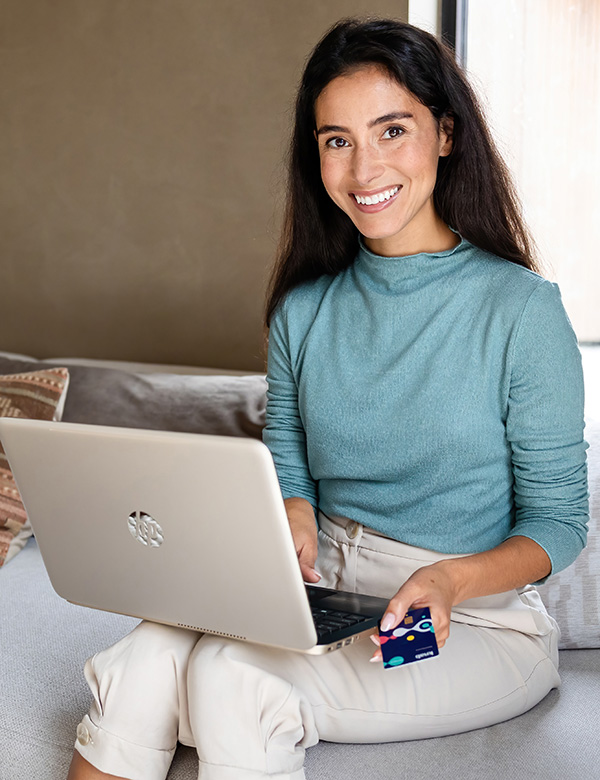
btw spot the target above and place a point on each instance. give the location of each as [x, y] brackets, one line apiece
[81, 769]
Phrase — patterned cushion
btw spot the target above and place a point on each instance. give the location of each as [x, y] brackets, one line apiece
[38, 395]
[573, 596]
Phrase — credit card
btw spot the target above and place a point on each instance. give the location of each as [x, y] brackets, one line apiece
[410, 641]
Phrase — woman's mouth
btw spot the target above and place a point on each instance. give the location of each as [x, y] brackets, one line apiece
[376, 201]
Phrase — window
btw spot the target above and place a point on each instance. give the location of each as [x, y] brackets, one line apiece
[536, 66]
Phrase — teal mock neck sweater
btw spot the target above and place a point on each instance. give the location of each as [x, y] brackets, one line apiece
[436, 398]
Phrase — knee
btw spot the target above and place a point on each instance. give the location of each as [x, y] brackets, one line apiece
[151, 642]
[151, 652]
[159, 641]
[214, 656]
[226, 676]
[208, 663]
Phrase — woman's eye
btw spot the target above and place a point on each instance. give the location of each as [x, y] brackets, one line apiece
[336, 143]
[393, 132]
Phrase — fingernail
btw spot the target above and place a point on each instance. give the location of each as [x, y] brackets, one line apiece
[388, 621]
[373, 660]
[375, 639]
[317, 573]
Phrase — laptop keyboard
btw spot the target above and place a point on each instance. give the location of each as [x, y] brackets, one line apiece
[328, 621]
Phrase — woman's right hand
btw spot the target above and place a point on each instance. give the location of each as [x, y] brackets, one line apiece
[301, 517]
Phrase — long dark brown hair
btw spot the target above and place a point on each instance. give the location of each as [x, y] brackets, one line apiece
[473, 194]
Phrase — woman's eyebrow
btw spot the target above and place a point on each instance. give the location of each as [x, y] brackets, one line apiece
[394, 116]
[331, 129]
[381, 120]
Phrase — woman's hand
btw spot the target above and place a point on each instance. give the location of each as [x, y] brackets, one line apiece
[431, 586]
[516, 562]
[301, 517]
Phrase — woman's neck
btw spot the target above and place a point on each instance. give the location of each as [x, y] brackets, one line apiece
[437, 237]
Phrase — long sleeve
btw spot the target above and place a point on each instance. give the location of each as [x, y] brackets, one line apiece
[284, 433]
[545, 430]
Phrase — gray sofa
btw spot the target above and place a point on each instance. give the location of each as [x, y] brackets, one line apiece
[44, 640]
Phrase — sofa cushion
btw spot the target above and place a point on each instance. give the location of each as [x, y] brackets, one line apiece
[38, 395]
[221, 405]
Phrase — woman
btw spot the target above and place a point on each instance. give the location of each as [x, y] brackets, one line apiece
[425, 418]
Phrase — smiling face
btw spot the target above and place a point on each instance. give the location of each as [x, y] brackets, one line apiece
[379, 149]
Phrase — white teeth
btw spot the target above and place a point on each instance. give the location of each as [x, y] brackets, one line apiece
[370, 200]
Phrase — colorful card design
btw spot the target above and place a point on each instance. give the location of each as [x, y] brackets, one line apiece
[410, 641]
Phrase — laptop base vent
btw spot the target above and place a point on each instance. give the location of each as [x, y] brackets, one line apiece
[210, 631]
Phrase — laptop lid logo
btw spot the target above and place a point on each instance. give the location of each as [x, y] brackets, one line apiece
[145, 529]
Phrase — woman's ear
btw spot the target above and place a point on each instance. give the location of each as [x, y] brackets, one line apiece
[446, 135]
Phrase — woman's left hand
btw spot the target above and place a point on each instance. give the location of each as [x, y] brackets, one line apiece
[431, 586]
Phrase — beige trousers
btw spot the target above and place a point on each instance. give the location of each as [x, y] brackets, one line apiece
[251, 711]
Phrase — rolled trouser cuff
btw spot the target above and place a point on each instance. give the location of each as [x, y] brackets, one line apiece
[116, 756]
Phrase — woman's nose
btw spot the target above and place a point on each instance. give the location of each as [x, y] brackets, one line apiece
[366, 165]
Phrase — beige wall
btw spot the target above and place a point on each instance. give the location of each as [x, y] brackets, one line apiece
[141, 156]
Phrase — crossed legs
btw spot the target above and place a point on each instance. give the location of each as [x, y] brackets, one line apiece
[251, 711]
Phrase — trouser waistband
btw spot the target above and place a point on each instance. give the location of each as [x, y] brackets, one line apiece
[346, 531]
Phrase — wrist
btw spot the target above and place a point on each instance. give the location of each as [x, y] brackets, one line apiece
[456, 574]
[299, 510]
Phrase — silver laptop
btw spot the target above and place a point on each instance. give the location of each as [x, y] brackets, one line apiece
[178, 528]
